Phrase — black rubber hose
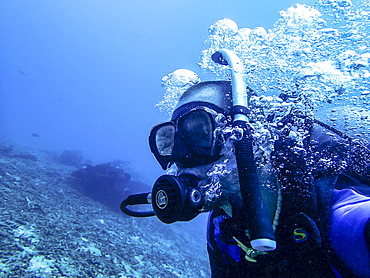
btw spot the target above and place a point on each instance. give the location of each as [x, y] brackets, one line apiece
[260, 226]
[137, 199]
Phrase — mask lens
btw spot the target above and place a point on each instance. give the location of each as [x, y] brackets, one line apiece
[164, 139]
[198, 128]
[187, 141]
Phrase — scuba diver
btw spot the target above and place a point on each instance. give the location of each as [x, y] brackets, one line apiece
[301, 210]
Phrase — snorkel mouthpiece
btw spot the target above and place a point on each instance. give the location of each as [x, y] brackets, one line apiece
[260, 228]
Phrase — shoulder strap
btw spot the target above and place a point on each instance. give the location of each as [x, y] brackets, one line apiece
[306, 197]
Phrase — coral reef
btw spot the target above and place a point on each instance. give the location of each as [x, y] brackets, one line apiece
[106, 184]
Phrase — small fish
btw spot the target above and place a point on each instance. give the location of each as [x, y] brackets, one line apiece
[35, 135]
[23, 73]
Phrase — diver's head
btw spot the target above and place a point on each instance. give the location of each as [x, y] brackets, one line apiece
[190, 138]
[193, 141]
[216, 93]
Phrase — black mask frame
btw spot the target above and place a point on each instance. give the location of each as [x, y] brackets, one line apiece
[179, 147]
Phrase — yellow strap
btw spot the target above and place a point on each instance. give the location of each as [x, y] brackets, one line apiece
[250, 253]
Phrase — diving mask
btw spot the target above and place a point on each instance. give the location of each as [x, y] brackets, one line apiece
[192, 137]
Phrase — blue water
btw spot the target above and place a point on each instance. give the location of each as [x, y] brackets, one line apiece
[85, 75]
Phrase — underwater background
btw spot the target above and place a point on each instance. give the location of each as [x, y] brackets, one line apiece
[79, 82]
[85, 75]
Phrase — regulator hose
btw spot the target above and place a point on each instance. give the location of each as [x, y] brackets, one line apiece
[137, 199]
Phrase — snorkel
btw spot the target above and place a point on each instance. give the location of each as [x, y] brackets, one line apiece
[260, 230]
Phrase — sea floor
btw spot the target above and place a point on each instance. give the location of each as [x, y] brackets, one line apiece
[49, 229]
